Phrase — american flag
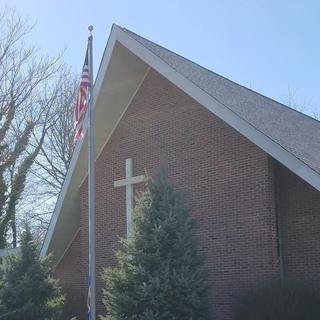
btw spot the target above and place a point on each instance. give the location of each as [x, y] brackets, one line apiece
[82, 99]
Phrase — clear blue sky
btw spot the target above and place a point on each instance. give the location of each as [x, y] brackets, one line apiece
[267, 45]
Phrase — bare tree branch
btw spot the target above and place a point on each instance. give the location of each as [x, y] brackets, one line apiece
[36, 93]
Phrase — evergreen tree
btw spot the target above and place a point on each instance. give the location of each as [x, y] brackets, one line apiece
[27, 291]
[160, 274]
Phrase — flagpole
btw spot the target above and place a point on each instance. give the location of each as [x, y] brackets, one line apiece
[92, 222]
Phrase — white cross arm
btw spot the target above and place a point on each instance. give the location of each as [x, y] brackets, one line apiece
[129, 181]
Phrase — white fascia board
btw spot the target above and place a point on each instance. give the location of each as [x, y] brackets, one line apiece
[223, 112]
[97, 86]
[62, 196]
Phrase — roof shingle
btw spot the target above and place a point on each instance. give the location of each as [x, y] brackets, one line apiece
[294, 131]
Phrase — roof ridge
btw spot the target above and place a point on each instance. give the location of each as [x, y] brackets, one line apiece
[221, 76]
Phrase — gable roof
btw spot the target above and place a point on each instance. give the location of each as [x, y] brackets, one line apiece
[296, 132]
[289, 136]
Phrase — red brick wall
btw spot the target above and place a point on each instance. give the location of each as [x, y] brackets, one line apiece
[228, 182]
[299, 211]
[68, 272]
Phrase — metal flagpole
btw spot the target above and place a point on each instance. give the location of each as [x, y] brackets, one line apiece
[92, 254]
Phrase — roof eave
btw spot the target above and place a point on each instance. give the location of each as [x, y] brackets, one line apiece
[231, 118]
[132, 73]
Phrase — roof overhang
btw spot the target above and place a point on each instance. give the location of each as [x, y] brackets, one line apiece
[119, 76]
[123, 67]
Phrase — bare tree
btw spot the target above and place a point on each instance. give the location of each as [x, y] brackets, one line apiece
[303, 105]
[292, 100]
[56, 152]
[50, 166]
[29, 91]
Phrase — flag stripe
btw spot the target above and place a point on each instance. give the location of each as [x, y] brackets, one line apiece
[82, 99]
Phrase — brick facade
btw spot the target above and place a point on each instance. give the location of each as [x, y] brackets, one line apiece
[299, 211]
[68, 271]
[228, 181]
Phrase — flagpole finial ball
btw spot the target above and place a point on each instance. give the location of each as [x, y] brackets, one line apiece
[90, 27]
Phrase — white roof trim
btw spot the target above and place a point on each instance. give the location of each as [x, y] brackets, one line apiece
[216, 107]
[97, 85]
[253, 134]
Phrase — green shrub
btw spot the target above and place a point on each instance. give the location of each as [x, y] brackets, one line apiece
[160, 271]
[27, 290]
[276, 301]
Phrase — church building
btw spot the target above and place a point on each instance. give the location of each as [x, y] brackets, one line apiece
[248, 165]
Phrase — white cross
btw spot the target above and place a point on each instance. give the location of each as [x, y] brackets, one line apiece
[129, 181]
